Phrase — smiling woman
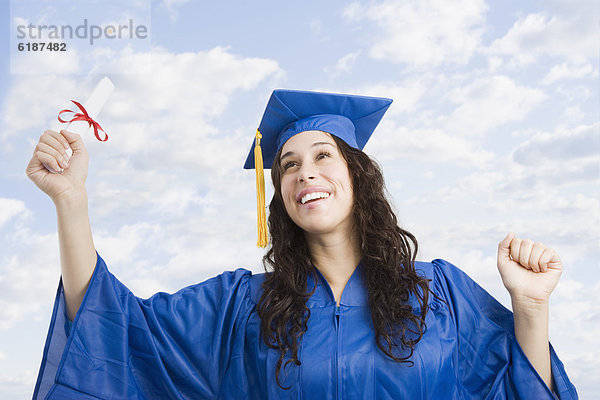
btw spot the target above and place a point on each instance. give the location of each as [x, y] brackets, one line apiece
[343, 311]
[315, 184]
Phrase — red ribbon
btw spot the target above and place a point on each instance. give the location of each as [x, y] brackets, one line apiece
[84, 116]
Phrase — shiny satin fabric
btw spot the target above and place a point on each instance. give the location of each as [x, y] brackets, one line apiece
[204, 342]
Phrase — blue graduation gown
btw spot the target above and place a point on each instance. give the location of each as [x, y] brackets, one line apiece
[204, 342]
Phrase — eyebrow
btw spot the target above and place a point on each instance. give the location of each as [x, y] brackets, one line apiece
[291, 153]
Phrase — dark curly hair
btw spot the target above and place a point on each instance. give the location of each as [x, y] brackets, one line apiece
[388, 255]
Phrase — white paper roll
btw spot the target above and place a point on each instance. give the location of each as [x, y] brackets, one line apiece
[93, 106]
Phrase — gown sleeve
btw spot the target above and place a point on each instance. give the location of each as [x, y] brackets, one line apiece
[171, 346]
[489, 362]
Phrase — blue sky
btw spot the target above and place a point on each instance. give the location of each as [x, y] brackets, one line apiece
[494, 128]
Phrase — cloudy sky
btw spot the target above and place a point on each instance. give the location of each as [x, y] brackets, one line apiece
[494, 128]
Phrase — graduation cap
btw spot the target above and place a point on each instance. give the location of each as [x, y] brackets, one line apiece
[289, 112]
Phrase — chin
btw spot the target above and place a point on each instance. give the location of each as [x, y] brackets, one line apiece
[319, 228]
[316, 231]
[314, 228]
[321, 223]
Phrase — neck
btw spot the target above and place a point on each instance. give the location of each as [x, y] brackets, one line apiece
[336, 256]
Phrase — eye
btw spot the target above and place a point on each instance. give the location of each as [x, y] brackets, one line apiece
[322, 154]
[288, 165]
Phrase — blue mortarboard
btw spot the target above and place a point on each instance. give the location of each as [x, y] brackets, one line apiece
[289, 112]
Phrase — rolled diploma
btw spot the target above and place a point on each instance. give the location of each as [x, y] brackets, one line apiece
[93, 106]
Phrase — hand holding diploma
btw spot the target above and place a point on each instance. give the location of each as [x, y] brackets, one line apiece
[52, 168]
[49, 168]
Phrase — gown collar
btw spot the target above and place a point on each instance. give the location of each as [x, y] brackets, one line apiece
[354, 294]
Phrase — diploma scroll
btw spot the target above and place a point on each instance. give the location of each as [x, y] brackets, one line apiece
[93, 106]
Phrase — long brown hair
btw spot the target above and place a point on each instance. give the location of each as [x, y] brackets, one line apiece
[388, 255]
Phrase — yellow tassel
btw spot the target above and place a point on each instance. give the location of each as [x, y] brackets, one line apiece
[263, 238]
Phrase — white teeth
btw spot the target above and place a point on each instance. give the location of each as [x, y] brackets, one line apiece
[314, 195]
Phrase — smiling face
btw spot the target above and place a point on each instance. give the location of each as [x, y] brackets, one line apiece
[315, 184]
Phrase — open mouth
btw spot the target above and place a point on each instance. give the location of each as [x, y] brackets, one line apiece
[312, 197]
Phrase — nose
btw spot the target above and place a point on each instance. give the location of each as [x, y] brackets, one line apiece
[307, 172]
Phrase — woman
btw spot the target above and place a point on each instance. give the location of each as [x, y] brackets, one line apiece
[345, 313]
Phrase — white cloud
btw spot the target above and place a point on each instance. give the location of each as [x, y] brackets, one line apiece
[423, 34]
[395, 142]
[574, 114]
[18, 384]
[566, 71]
[573, 37]
[576, 93]
[540, 177]
[406, 94]
[561, 146]
[172, 7]
[42, 96]
[195, 84]
[319, 30]
[494, 63]
[510, 199]
[316, 26]
[10, 208]
[490, 102]
[181, 250]
[45, 62]
[20, 21]
[344, 64]
[29, 272]
[575, 312]
[574, 172]
[471, 185]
